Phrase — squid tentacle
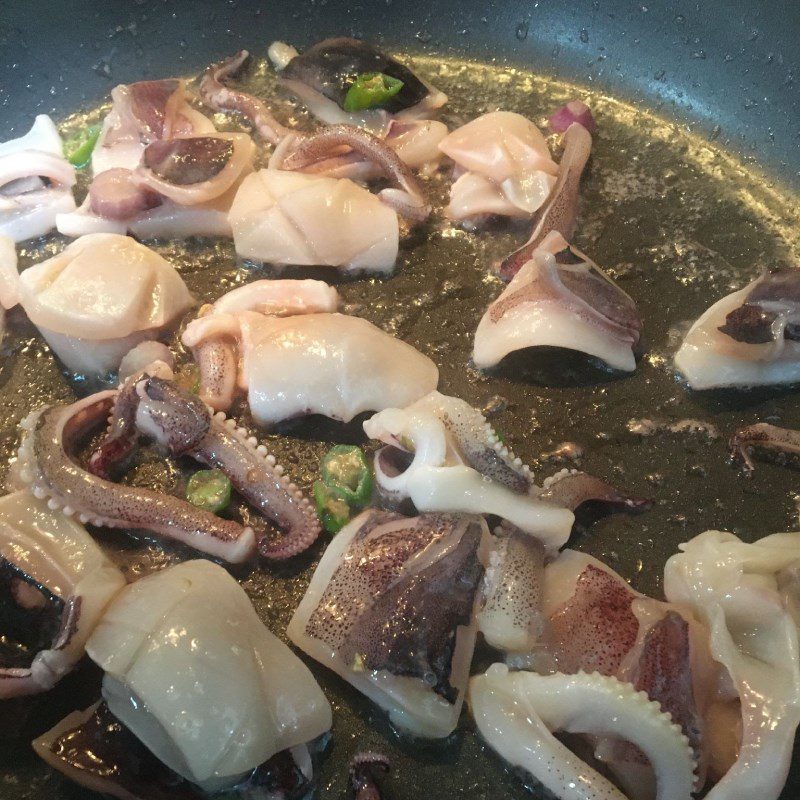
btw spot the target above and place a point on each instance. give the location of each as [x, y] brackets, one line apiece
[222, 98]
[517, 714]
[186, 426]
[571, 489]
[46, 465]
[239, 455]
[364, 768]
[561, 208]
[405, 197]
[764, 436]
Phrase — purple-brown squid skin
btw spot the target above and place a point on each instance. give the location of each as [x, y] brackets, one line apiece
[364, 768]
[575, 489]
[222, 98]
[407, 199]
[47, 466]
[185, 426]
[121, 437]
[560, 210]
[765, 436]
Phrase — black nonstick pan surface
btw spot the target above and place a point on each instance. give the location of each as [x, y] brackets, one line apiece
[688, 196]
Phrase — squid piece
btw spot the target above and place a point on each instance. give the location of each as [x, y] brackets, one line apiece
[142, 113]
[283, 217]
[416, 143]
[216, 353]
[280, 217]
[595, 622]
[560, 298]
[321, 77]
[196, 169]
[561, 208]
[299, 152]
[47, 466]
[576, 616]
[518, 712]
[147, 356]
[315, 363]
[196, 687]
[749, 338]
[55, 583]
[218, 95]
[183, 187]
[390, 609]
[762, 436]
[101, 296]
[182, 425]
[9, 279]
[160, 169]
[740, 591]
[443, 455]
[504, 166]
[36, 182]
[364, 771]
[511, 617]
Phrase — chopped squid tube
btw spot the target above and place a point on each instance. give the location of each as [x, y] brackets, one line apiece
[186, 644]
[390, 608]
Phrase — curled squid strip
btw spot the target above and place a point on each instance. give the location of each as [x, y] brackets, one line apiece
[46, 465]
[517, 713]
[406, 197]
[216, 93]
[741, 591]
[561, 208]
[560, 298]
[763, 436]
[443, 455]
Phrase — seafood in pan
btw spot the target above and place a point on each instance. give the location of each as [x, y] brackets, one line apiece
[445, 552]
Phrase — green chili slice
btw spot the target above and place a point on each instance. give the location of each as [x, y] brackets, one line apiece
[371, 90]
[346, 469]
[209, 489]
[78, 148]
[332, 509]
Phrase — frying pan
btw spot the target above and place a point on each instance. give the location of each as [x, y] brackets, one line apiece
[724, 69]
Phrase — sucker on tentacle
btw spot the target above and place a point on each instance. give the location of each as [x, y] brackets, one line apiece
[765, 436]
[406, 198]
[222, 98]
[364, 768]
[47, 467]
[184, 425]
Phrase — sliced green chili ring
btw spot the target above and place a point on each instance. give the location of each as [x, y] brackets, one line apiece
[371, 90]
[78, 148]
[209, 489]
[346, 469]
[332, 508]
